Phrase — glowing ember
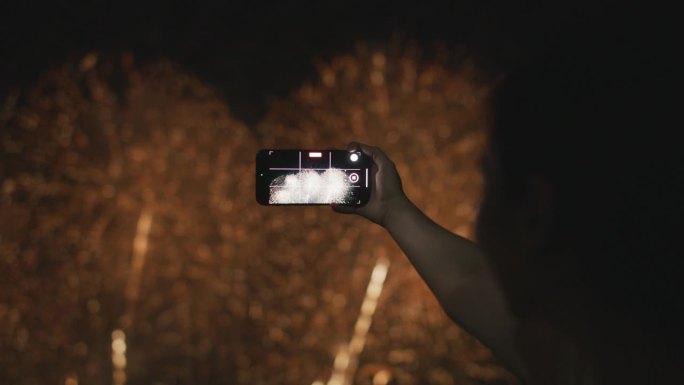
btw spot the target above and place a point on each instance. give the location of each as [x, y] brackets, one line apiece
[71, 380]
[119, 357]
[140, 243]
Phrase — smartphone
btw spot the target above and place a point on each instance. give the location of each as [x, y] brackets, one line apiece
[312, 177]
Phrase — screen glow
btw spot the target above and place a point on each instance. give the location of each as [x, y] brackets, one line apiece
[308, 186]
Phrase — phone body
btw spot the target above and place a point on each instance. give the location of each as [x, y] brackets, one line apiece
[312, 177]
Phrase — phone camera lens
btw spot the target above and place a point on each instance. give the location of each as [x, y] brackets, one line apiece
[354, 157]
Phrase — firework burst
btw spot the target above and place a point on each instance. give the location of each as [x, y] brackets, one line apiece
[127, 206]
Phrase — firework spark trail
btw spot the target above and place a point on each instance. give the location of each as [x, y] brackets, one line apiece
[140, 243]
[346, 361]
[119, 357]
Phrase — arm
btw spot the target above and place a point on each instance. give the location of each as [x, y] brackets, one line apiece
[458, 275]
[453, 267]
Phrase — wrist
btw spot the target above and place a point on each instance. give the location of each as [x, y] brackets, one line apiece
[397, 209]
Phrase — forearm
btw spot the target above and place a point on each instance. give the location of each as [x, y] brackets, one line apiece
[461, 279]
[452, 266]
[443, 259]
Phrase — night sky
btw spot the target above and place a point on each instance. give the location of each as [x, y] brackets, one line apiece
[255, 50]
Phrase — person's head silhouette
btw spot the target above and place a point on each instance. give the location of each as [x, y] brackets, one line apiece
[582, 213]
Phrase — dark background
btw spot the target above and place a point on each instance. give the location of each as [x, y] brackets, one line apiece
[255, 50]
[251, 53]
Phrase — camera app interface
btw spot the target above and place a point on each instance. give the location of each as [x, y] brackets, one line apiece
[312, 177]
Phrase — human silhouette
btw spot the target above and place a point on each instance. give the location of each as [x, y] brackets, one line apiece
[576, 275]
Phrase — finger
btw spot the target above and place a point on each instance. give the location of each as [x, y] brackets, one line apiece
[375, 153]
[353, 146]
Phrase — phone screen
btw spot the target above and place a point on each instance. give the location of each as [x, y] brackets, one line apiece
[312, 177]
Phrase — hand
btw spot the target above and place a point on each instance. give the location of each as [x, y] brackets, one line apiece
[387, 194]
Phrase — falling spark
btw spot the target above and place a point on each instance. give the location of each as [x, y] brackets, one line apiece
[71, 380]
[140, 244]
[119, 357]
[346, 360]
[382, 377]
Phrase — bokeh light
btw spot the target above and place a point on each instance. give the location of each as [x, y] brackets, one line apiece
[131, 241]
